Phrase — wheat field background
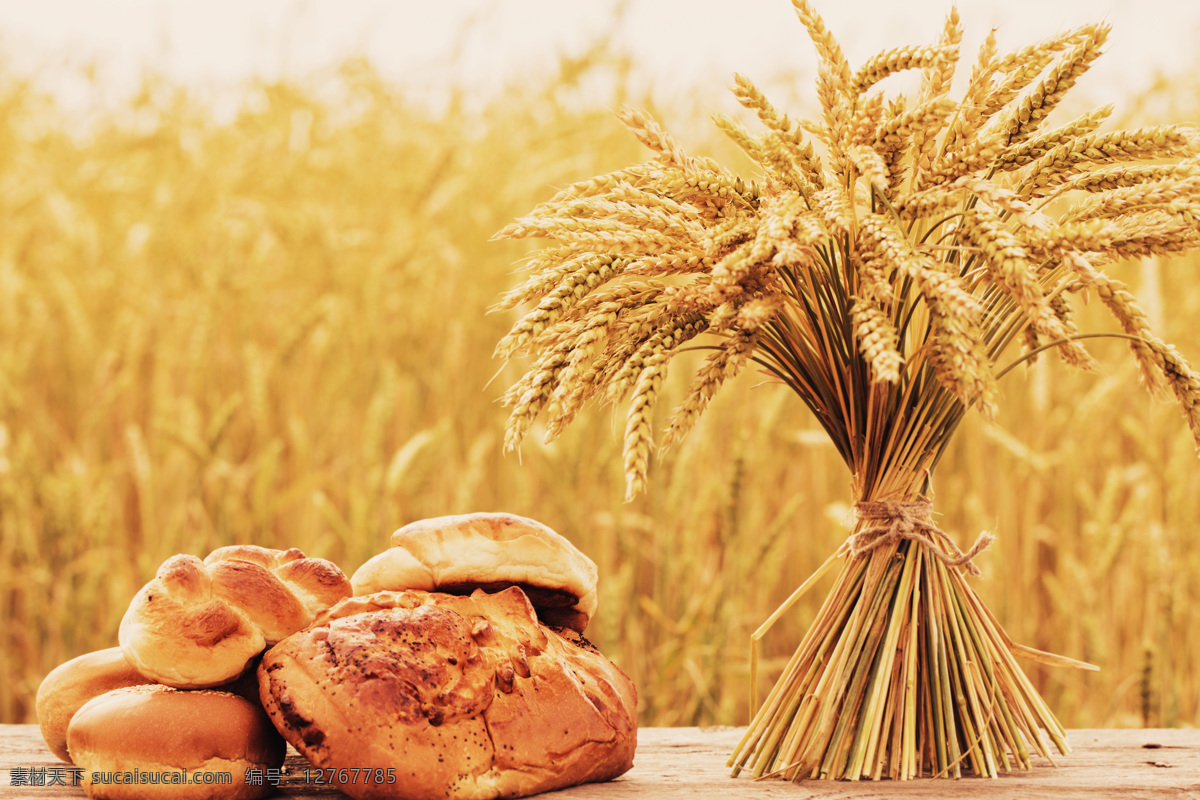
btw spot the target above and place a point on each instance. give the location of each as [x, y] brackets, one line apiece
[274, 329]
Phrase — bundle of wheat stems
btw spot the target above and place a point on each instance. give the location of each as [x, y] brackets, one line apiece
[891, 262]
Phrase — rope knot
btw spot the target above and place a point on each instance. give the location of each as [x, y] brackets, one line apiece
[896, 520]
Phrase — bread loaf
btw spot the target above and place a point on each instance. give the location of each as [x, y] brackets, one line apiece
[444, 696]
[492, 551]
[198, 624]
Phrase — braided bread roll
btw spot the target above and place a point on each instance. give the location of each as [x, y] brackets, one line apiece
[198, 624]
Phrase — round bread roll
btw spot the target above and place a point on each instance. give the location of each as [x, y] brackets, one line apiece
[71, 684]
[435, 696]
[489, 551]
[150, 742]
[199, 623]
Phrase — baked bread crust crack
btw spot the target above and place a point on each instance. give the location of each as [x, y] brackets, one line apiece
[461, 696]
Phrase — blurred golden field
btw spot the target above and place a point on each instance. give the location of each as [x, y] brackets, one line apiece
[274, 330]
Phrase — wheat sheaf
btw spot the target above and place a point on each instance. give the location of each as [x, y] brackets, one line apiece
[881, 263]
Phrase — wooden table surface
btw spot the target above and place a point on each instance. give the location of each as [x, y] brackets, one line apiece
[690, 763]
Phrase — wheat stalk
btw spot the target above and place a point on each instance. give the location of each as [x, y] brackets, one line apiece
[888, 264]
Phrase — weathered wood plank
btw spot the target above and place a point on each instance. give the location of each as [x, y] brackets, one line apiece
[689, 764]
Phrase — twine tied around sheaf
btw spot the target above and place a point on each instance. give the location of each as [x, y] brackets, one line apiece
[911, 519]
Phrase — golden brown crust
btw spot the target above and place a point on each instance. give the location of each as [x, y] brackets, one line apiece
[199, 623]
[457, 554]
[252, 553]
[71, 684]
[265, 600]
[160, 731]
[469, 697]
[316, 582]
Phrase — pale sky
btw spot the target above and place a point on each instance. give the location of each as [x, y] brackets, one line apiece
[681, 43]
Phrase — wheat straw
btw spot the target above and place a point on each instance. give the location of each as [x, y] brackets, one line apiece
[890, 261]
